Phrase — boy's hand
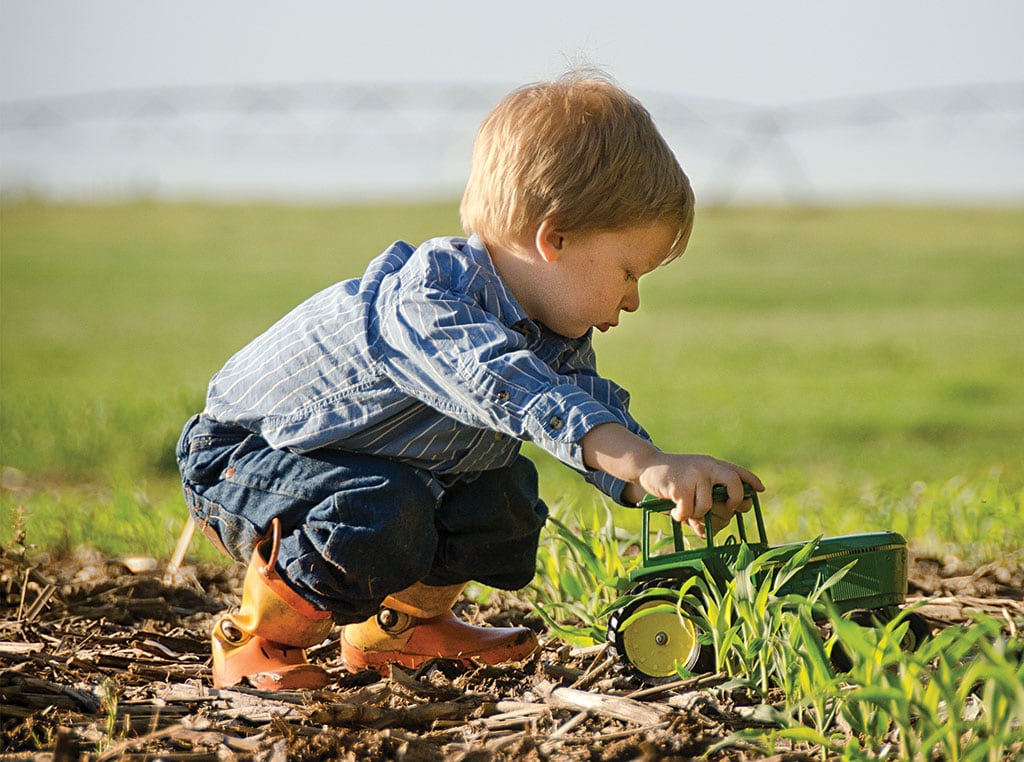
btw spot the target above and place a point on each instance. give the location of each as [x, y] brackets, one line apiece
[686, 480]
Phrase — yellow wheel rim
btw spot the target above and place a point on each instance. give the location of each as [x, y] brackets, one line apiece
[655, 641]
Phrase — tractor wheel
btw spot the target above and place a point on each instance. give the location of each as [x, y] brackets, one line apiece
[917, 632]
[654, 643]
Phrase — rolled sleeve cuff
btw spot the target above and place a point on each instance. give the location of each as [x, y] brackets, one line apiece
[610, 485]
[562, 417]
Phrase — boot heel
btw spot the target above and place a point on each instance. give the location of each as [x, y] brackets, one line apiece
[265, 640]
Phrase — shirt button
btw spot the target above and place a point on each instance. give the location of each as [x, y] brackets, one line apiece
[555, 422]
[502, 396]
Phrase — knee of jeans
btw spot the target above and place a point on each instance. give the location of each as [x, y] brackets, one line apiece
[381, 533]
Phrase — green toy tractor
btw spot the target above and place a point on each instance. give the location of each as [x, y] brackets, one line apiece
[653, 644]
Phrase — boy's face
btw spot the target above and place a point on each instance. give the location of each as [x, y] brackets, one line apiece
[589, 279]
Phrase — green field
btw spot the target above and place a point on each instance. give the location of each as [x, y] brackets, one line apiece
[866, 362]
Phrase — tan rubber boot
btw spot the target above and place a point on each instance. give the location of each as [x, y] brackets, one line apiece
[264, 640]
[417, 625]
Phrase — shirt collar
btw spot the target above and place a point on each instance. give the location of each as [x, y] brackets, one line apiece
[512, 313]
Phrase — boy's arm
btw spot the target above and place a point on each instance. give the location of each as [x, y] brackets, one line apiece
[580, 365]
[686, 480]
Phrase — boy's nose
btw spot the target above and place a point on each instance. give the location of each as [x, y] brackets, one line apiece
[631, 302]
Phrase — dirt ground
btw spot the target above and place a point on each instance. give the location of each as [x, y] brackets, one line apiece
[106, 659]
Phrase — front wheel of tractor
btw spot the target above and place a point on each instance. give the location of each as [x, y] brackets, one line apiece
[655, 636]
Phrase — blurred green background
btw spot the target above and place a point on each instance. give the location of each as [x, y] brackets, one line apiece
[866, 362]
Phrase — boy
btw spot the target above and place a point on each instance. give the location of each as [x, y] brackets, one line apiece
[363, 453]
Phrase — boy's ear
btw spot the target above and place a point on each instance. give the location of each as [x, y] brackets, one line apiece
[550, 242]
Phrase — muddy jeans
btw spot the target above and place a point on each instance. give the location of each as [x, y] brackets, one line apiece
[356, 528]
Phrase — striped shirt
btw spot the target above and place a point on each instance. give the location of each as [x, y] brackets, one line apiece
[427, 359]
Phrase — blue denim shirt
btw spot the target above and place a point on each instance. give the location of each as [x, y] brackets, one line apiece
[427, 359]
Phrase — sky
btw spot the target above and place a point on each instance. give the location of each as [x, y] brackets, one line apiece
[767, 53]
[754, 53]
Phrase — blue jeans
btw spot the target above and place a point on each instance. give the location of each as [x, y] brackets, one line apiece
[356, 528]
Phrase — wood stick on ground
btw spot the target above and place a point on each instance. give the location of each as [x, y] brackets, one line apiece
[524, 715]
[617, 707]
[184, 540]
[593, 675]
[697, 681]
[554, 740]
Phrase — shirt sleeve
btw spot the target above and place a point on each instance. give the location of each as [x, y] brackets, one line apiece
[443, 344]
[581, 366]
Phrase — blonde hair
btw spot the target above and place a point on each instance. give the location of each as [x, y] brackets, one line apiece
[580, 152]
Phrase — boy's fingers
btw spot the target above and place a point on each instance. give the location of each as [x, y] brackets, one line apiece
[722, 514]
[751, 478]
[684, 508]
[702, 498]
[734, 486]
[696, 499]
[720, 522]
